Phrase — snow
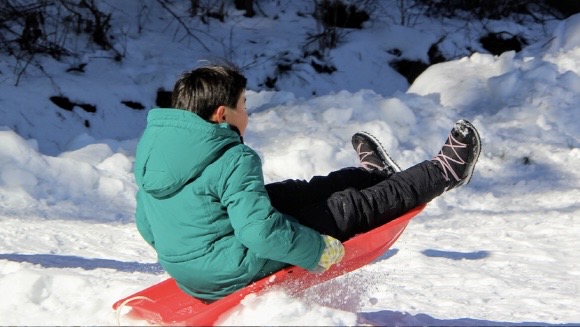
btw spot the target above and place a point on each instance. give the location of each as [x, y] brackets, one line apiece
[502, 250]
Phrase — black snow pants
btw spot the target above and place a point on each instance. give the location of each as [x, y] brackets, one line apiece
[353, 200]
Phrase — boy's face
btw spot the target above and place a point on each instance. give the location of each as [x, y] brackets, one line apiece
[238, 116]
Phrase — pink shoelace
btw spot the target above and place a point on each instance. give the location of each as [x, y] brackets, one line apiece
[446, 161]
[362, 155]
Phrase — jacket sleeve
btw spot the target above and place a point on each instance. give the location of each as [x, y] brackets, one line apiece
[259, 226]
[143, 225]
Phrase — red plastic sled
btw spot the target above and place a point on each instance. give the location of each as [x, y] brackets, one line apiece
[165, 304]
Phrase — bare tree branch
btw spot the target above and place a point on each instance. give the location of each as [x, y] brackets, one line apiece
[185, 27]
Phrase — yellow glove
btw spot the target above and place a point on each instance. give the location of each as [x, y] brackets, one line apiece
[332, 254]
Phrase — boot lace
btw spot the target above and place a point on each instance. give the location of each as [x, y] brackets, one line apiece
[363, 155]
[447, 161]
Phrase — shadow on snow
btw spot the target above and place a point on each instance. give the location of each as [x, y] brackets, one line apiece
[394, 318]
[70, 261]
[453, 255]
[456, 255]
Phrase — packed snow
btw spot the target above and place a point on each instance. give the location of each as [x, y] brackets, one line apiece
[502, 250]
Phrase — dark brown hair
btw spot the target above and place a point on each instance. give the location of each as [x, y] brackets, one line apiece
[204, 89]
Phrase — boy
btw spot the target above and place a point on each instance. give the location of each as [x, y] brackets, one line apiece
[216, 227]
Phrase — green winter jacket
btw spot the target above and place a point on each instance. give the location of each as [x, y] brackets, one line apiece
[203, 206]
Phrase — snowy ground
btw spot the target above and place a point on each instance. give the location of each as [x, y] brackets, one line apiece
[503, 250]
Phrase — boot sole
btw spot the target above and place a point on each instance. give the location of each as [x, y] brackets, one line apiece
[474, 153]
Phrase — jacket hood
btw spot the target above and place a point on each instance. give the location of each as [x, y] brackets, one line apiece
[176, 147]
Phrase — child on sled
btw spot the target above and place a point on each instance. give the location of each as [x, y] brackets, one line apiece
[202, 203]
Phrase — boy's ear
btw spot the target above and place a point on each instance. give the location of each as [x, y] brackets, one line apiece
[219, 115]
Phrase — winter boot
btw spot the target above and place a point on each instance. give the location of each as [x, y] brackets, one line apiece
[372, 155]
[458, 156]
